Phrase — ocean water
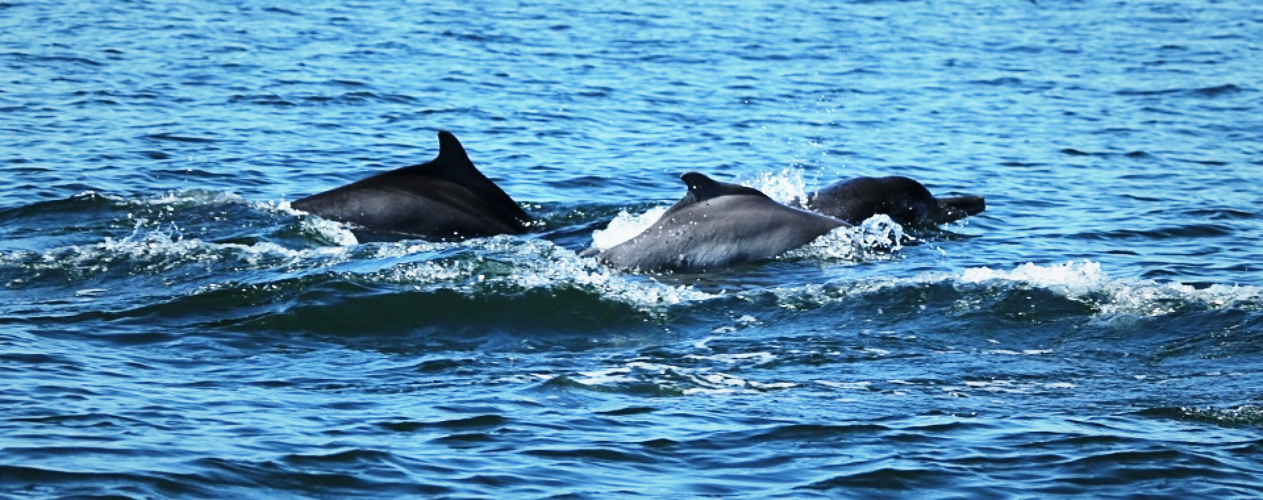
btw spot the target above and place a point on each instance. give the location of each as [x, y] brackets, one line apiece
[170, 328]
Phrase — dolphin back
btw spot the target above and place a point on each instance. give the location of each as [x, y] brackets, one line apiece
[453, 164]
[718, 225]
[703, 188]
[905, 200]
[445, 198]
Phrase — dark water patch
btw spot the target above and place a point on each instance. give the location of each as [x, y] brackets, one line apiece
[1202, 161]
[154, 155]
[59, 60]
[1001, 81]
[558, 318]
[1205, 92]
[1191, 336]
[814, 433]
[466, 440]
[442, 365]
[97, 420]
[340, 458]
[1133, 155]
[86, 202]
[262, 100]
[891, 480]
[593, 455]
[20, 358]
[357, 98]
[51, 482]
[1167, 233]
[1134, 468]
[631, 410]
[377, 472]
[490, 38]
[476, 422]
[179, 138]
[1218, 91]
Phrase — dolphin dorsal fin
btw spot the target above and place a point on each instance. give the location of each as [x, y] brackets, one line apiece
[453, 164]
[704, 188]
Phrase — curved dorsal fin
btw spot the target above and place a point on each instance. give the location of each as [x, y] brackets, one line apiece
[704, 188]
[453, 164]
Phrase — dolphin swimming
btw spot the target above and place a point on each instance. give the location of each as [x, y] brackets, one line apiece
[717, 225]
[446, 198]
[906, 201]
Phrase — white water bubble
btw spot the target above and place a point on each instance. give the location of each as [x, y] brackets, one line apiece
[625, 226]
[784, 186]
[1087, 282]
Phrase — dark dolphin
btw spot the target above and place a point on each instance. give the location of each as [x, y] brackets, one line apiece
[446, 198]
[718, 225]
[906, 201]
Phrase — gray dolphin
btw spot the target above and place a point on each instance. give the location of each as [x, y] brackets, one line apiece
[446, 198]
[718, 225]
[906, 201]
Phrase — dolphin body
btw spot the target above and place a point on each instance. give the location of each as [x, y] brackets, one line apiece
[446, 198]
[717, 225]
[906, 201]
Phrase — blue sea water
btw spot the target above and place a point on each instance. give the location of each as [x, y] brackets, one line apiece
[170, 328]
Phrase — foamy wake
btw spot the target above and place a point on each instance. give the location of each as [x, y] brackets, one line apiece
[684, 380]
[334, 232]
[511, 264]
[1087, 282]
[506, 264]
[625, 226]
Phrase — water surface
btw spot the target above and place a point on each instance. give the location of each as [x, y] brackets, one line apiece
[170, 328]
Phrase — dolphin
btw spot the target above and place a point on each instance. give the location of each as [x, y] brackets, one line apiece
[906, 201]
[717, 225]
[446, 198]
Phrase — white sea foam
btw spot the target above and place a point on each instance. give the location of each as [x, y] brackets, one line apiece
[506, 262]
[332, 231]
[877, 238]
[757, 357]
[1087, 282]
[495, 265]
[195, 197]
[1084, 282]
[156, 250]
[625, 226]
[783, 186]
[1072, 278]
[686, 380]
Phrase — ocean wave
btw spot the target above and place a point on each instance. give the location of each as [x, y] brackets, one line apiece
[1086, 282]
[291, 253]
[1083, 283]
[158, 251]
[639, 377]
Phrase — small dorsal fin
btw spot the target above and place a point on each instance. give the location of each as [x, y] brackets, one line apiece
[451, 149]
[453, 164]
[704, 188]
